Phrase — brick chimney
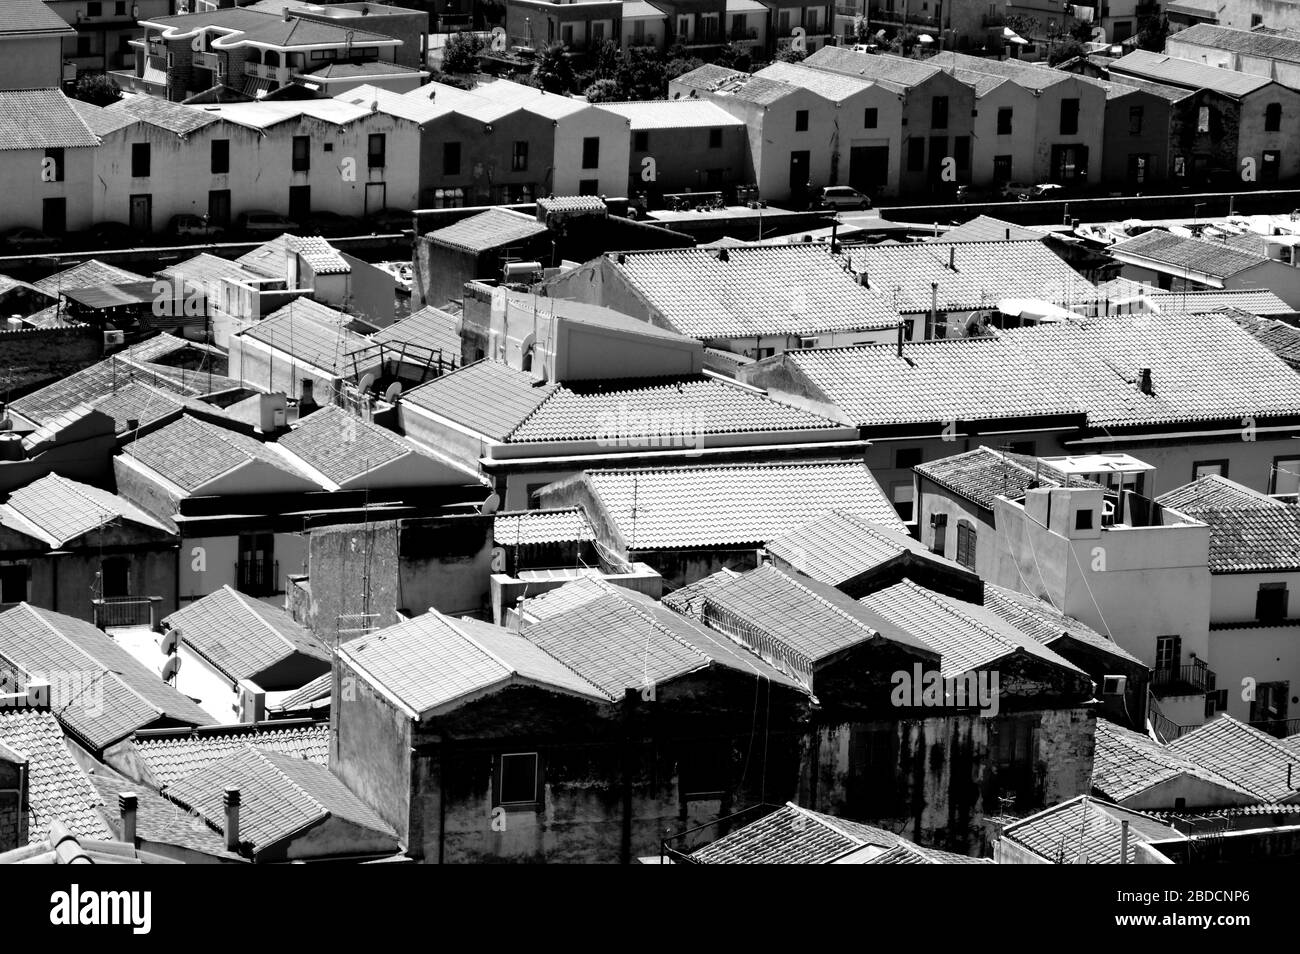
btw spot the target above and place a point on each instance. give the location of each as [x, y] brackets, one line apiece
[230, 800]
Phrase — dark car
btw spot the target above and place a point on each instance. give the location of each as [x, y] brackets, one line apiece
[27, 239]
[112, 235]
[332, 223]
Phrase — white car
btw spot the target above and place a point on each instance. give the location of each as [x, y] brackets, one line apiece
[843, 197]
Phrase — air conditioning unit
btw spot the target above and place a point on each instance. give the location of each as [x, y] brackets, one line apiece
[251, 706]
[1114, 685]
[114, 338]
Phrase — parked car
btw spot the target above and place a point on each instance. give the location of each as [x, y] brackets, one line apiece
[842, 197]
[194, 226]
[112, 235]
[391, 220]
[1043, 191]
[263, 222]
[970, 193]
[331, 223]
[27, 239]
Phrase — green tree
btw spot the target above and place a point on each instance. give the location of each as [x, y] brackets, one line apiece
[607, 61]
[554, 72]
[1065, 50]
[734, 57]
[604, 91]
[96, 89]
[641, 74]
[460, 55]
[1081, 31]
[680, 66]
[1152, 33]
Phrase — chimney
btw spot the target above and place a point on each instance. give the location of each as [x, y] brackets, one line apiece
[307, 400]
[231, 802]
[132, 423]
[1123, 842]
[934, 309]
[723, 256]
[901, 331]
[1144, 381]
[863, 279]
[835, 245]
[952, 258]
[273, 407]
[126, 802]
[286, 14]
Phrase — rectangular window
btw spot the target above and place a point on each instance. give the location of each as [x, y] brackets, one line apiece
[377, 151]
[519, 780]
[451, 158]
[119, 8]
[83, 47]
[1286, 476]
[641, 141]
[1255, 20]
[1002, 168]
[140, 160]
[1083, 519]
[870, 118]
[519, 156]
[1272, 117]
[94, 8]
[53, 168]
[588, 187]
[1203, 119]
[1004, 121]
[1169, 653]
[1271, 602]
[1012, 748]
[715, 138]
[903, 496]
[220, 156]
[1069, 117]
[905, 458]
[1206, 468]
[916, 155]
[938, 533]
[13, 583]
[301, 153]
[966, 544]
[801, 120]
[591, 152]
[871, 786]
[1268, 171]
[702, 772]
[1135, 120]
[1270, 703]
[939, 112]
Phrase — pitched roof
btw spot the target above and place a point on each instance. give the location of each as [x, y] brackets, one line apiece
[133, 697]
[57, 788]
[488, 230]
[430, 328]
[531, 527]
[1127, 763]
[1250, 42]
[673, 114]
[433, 663]
[157, 820]
[310, 331]
[64, 510]
[983, 474]
[40, 119]
[488, 397]
[272, 258]
[970, 274]
[191, 453]
[985, 228]
[86, 274]
[294, 32]
[1175, 71]
[747, 87]
[1208, 301]
[874, 66]
[1277, 336]
[1026, 75]
[1252, 539]
[1086, 830]
[583, 587]
[244, 637]
[753, 290]
[174, 117]
[280, 796]
[1244, 755]
[342, 446]
[32, 17]
[795, 836]
[1212, 259]
[733, 504]
[836, 87]
[170, 757]
[1045, 622]
[1213, 491]
[139, 402]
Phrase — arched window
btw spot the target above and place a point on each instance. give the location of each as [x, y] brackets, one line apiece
[966, 544]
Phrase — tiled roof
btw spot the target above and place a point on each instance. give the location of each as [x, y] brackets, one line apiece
[910, 854]
[87, 274]
[430, 328]
[595, 315]
[684, 410]
[1277, 336]
[244, 637]
[280, 796]
[1045, 622]
[156, 819]
[836, 87]
[708, 77]
[981, 274]
[626, 640]
[29, 17]
[985, 228]
[173, 117]
[756, 290]
[966, 636]
[318, 690]
[1174, 71]
[190, 452]
[1252, 539]
[673, 114]
[584, 588]
[739, 504]
[1127, 763]
[530, 527]
[272, 258]
[417, 109]
[1172, 94]
[133, 697]
[1250, 42]
[310, 331]
[302, 33]
[794, 836]
[488, 397]
[64, 510]
[57, 787]
[433, 662]
[1244, 755]
[350, 70]
[1213, 491]
[138, 402]
[572, 203]
[1213, 259]
[874, 66]
[1256, 301]
[1086, 830]
[169, 757]
[40, 119]
[983, 474]
[342, 446]
[835, 547]
[488, 230]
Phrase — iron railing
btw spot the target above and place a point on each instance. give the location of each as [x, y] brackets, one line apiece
[257, 576]
[122, 611]
[1189, 680]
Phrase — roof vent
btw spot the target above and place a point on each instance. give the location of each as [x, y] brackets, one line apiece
[286, 14]
[1144, 381]
[722, 255]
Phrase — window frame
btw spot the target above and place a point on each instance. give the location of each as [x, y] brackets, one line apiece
[300, 154]
[213, 150]
[139, 149]
[1005, 128]
[1278, 587]
[381, 153]
[801, 120]
[967, 540]
[498, 783]
[1221, 463]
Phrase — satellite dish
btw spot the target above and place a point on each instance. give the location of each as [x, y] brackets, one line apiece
[170, 668]
[394, 390]
[170, 642]
[367, 382]
[491, 505]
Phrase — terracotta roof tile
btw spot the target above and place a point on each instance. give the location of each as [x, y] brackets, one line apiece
[1244, 755]
[170, 757]
[57, 787]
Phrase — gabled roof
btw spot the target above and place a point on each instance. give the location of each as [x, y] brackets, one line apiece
[244, 637]
[169, 757]
[40, 118]
[272, 257]
[1026, 75]
[1277, 336]
[1209, 301]
[1212, 492]
[313, 333]
[1244, 755]
[1127, 763]
[484, 231]
[520, 528]
[173, 117]
[1252, 539]
[430, 328]
[61, 511]
[191, 453]
[970, 274]
[748, 291]
[139, 402]
[294, 32]
[25, 18]
[835, 87]
[343, 447]
[985, 228]
[1087, 830]
[57, 788]
[488, 397]
[1270, 45]
[87, 274]
[732, 504]
[1175, 71]
[432, 664]
[1215, 260]
[584, 587]
[40, 641]
[673, 114]
[874, 66]
[796, 836]
[1046, 623]
[746, 87]
[418, 109]
[156, 819]
[983, 474]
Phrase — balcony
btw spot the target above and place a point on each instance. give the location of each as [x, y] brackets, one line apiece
[1193, 680]
[121, 611]
[206, 61]
[257, 576]
[276, 74]
[880, 13]
[1278, 728]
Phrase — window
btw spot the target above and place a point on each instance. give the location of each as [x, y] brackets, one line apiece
[1002, 168]
[1270, 704]
[1069, 117]
[1083, 519]
[961, 152]
[938, 533]
[715, 138]
[905, 458]
[902, 494]
[83, 46]
[966, 544]
[1135, 120]
[13, 583]
[1012, 747]
[94, 9]
[870, 118]
[1268, 171]
[519, 782]
[1004, 121]
[220, 156]
[301, 153]
[641, 141]
[1203, 119]
[1216, 701]
[808, 343]
[1169, 652]
[916, 155]
[871, 787]
[519, 156]
[119, 8]
[1206, 468]
[54, 163]
[451, 158]
[588, 187]
[140, 160]
[377, 151]
[801, 120]
[939, 112]
[1255, 20]
[1286, 476]
[1272, 117]
[1271, 601]
[591, 152]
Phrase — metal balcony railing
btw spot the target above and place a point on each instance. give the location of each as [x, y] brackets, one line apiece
[122, 611]
[1165, 729]
[257, 577]
[1190, 680]
[206, 61]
